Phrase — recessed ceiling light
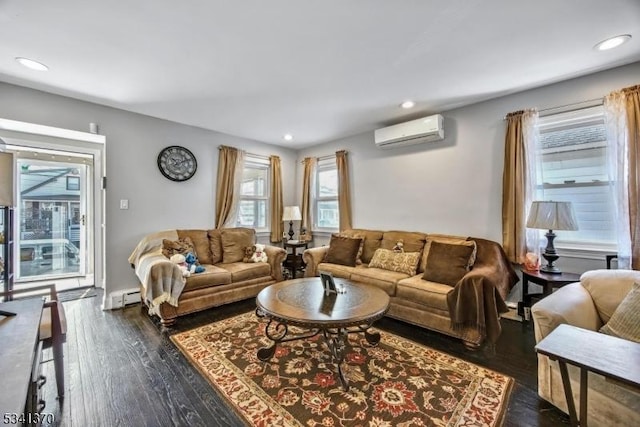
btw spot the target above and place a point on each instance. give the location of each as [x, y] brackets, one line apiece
[613, 42]
[288, 137]
[408, 104]
[31, 64]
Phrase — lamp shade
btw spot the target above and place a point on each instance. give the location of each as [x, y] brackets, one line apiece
[7, 168]
[291, 213]
[550, 215]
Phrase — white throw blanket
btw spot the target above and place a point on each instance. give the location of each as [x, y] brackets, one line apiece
[161, 279]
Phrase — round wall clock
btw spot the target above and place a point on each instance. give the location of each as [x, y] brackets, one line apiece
[177, 163]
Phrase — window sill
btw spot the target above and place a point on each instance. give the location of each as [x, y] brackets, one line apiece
[584, 250]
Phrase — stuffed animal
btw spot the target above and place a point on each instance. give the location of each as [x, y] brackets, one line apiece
[193, 264]
[259, 255]
[399, 247]
[180, 260]
[248, 253]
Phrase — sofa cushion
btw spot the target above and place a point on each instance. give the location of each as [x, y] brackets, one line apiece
[211, 276]
[342, 250]
[447, 263]
[403, 262]
[234, 242]
[384, 279]
[372, 241]
[338, 270]
[608, 288]
[201, 243]
[418, 290]
[215, 243]
[180, 246]
[625, 322]
[241, 271]
[413, 242]
[445, 238]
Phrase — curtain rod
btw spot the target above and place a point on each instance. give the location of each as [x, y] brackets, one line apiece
[575, 106]
[259, 156]
[327, 157]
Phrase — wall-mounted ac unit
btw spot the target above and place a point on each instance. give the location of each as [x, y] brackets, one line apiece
[426, 129]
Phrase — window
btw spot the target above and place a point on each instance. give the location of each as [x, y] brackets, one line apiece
[574, 168]
[254, 195]
[326, 196]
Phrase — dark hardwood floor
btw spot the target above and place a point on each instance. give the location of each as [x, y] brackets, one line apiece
[121, 369]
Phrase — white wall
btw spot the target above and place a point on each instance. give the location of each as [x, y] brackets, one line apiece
[455, 186]
[133, 144]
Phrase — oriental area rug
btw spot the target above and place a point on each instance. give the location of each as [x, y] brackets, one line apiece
[396, 383]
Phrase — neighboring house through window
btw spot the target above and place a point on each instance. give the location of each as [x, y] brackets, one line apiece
[254, 194]
[325, 203]
[573, 168]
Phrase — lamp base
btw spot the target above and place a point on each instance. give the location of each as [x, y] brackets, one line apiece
[550, 255]
[291, 232]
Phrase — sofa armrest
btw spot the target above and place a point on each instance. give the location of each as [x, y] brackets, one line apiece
[312, 257]
[275, 258]
[571, 304]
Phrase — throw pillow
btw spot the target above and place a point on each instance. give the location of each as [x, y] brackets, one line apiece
[200, 242]
[360, 249]
[402, 262]
[625, 322]
[180, 246]
[342, 250]
[447, 263]
[452, 240]
[234, 243]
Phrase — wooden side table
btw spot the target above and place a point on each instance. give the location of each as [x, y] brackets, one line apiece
[294, 262]
[609, 356]
[547, 281]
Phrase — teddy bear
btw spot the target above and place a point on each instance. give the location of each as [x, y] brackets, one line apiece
[181, 262]
[192, 263]
[259, 255]
[399, 247]
[248, 253]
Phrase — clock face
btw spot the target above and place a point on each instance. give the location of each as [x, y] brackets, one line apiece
[177, 163]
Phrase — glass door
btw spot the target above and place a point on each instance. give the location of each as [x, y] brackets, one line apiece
[51, 218]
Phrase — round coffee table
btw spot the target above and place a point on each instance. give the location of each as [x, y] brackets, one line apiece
[303, 303]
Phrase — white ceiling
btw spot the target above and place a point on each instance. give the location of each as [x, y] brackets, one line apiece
[319, 69]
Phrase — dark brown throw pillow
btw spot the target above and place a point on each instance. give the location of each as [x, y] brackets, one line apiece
[342, 250]
[180, 246]
[447, 263]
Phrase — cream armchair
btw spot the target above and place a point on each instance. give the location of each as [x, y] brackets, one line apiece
[587, 304]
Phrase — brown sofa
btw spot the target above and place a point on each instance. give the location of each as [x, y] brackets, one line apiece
[226, 278]
[470, 310]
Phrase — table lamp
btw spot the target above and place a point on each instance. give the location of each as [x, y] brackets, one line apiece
[291, 213]
[548, 215]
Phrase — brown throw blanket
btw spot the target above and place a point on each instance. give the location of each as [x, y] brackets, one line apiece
[478, 298]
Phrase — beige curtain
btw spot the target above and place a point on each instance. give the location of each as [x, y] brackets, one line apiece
[344, 194]
[518, 184]
[307, 192]
[227, 161]
[276, 199]
[632, 107]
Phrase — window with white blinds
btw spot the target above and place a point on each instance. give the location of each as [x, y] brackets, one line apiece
[574, 168]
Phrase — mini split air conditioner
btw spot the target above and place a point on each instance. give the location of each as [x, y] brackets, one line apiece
[426, 129]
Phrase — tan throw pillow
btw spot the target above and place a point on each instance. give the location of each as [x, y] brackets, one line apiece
[447, 263]
[180, 246]
[402, 262]
[360, 249]
[234, 242]
[342, 250]
[625, 322]
[200, 241]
